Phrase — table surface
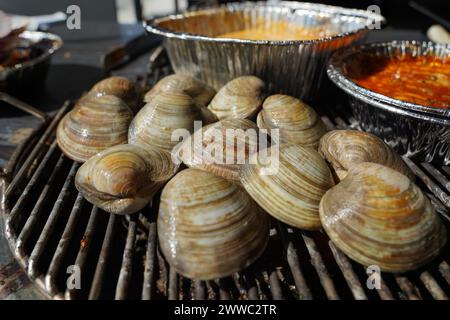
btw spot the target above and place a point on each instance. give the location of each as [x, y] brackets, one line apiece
[75, 68]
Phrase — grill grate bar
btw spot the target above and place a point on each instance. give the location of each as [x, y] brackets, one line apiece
[81, 260]
[303, 290]
[17, 210]
[123, 283]
[321, 269]
[63, 245]
[411, 291]
[431, 185]
[200, 290]
[42, 143]
[437, 175]
[149, 271]
[432, 286]
[44, 237]
[275, 287]
[35, 213]
[173, 284]
[444, 269]
[103, 259]
[347, 270]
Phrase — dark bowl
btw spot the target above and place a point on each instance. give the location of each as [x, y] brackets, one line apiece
[29, 76]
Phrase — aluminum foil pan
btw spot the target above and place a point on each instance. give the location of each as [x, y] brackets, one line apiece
[417, 131]
[293, 67]
[30, 75]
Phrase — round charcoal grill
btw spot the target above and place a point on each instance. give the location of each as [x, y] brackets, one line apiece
[54, 233]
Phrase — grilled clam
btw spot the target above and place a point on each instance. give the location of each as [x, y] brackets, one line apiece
[240, 98]
[292, 191]
[298, 123]
[345, 148]
[200, 92]
[377, 216]
[222, 147]
[123, 179]
[208, 227]
[94, 124]
[120, 87]
[168, 111]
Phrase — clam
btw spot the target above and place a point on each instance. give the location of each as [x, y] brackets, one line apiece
[123, 179]
[292, 189]
[222, 147]
[208, 227]
[200, 92]
[94, 124]
[168, 111]
[345, 148]
[240, 98]
[120, 87]
[377, 216]
[297, 122]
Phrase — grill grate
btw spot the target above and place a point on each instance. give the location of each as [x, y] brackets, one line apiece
[50, 227]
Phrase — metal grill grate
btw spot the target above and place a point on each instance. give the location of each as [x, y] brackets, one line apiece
[50, 227]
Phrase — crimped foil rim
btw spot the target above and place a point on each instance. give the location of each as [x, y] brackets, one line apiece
[335, 73]
[152, 26]
[31, 35]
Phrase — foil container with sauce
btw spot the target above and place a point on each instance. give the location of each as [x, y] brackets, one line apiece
[418, 131]
[296, 67]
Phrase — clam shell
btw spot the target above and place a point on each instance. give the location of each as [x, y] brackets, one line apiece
[168, 111]
[208, 227]
[200, 92]
[240, 98]
[345, 148]
[120, 87]
[293, 192]
[93, 125]
[222, 147]
[298, 123]
[124, 178]
[377, 216]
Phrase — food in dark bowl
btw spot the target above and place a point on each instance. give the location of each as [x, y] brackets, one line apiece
[400, 92]
[24, 66]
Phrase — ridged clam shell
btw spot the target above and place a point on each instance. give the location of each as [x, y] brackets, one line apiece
[120, 87]
[94, 124]
[377, 216]
[240, 98]
[298, 123]
[200, 92]
[345, 148]
[208, 227]
[292, 194]
[123, 179]
[167, 111]
[222, 147]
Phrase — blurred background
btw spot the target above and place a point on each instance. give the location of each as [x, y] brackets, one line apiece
[399, 13]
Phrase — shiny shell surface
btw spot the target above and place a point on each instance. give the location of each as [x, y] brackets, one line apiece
[346, 148]
[292, 189]
[123, 179]
[297, 122]
[120, 87]
[200, 92]
[208, 227]
[377, 216]
[222, 147]
[94, 124]
[241, 98]
[159, 119]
